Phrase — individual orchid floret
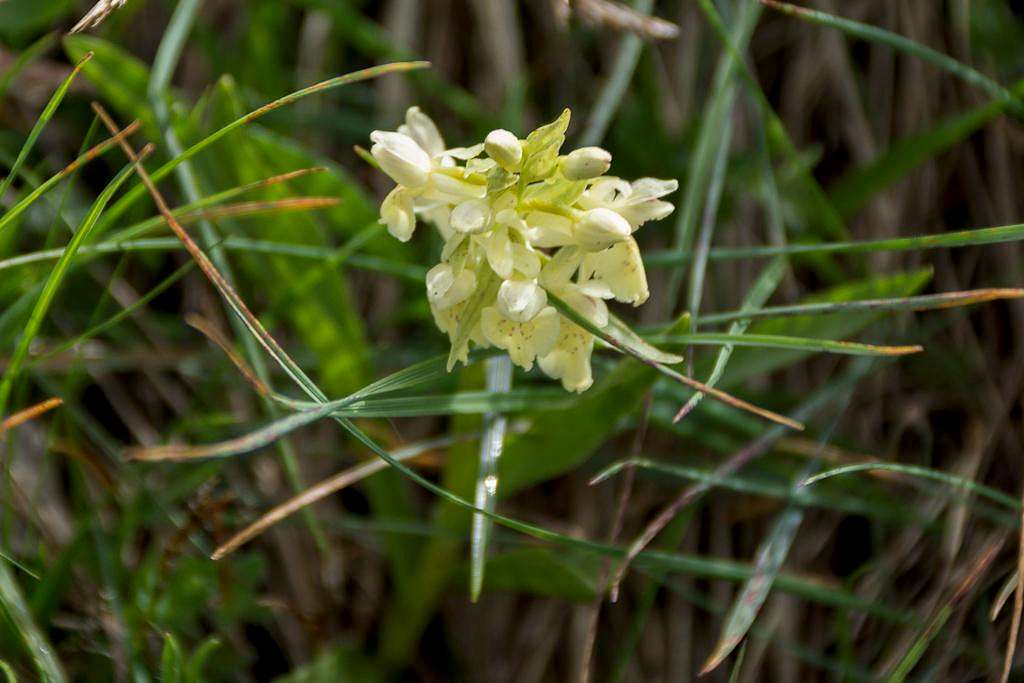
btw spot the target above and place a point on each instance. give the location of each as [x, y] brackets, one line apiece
[637, 202]
[402, 158]
[600, 228]
[585, 163]
[504, 147]
[524, 227]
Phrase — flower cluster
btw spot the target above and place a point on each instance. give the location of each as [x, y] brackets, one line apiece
[521, 223]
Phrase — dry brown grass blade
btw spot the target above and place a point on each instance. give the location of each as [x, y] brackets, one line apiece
[95, 16]
[619, 17]
[655, 526]
[240, 209]
[315, 493]
[28, 414]
[1018, 607]
[617, 521]
[733, 401]
[201, 259]
[220, 339]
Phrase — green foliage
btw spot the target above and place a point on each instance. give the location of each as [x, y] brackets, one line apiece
[104, 565]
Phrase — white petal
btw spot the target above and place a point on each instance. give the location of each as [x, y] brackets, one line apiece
[525, 260]
[465, 153]
[397, 214]
[620, 268]
[605, 192]
[445, 188]
[423, 130]
[401, 158]
[600, 228]
[557, 272]
[523, 341]
[445, 288]
[472, 216]
[652, 188]
[569, 360]
[639, 213]
[498, 248]
[549, 229]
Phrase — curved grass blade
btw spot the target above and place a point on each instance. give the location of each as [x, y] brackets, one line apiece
[749, 485]
[26, 57]
[931, 629]
[853, 190]
[327, 487]
[13, 606]
[770, 556]
[210, 210]
[29, 413]
[923, 302]
[773, 341]
[411, 272]
[498, 381]
[355, 406]
[697, 566]
[117, 317]
[925, 473]
[728, 399]
[711, 139]
[874, 34]
[1018, 607]
[53, 283]
[961, 238]
[91, 154]
[610, 97]
[136, 193]
[44, 118]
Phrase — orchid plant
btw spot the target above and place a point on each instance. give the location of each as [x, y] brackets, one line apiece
[520, 221]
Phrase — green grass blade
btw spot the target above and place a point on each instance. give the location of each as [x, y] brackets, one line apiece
[26, 57]
[498, 381]
[712, 136]
[880, 36]
[52, 284]
[113, 320]
[406, 271]
[946, 240]
[639, 354]
[13, 606]
[23, 204]
[925, 473]
[923, 302]
[9, 674]
[697, 566]
[610, 97]
[753, 485]
[856, 188]
[831, 222]
[772, 341]
[44, 118]
[171, 662]
[138, 191]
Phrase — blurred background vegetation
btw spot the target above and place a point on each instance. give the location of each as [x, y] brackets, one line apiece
[903, 122]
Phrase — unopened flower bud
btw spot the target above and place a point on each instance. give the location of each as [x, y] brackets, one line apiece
[472, 216]
[445, 288]
[586, 163]
[521, 300]
[401, 158]
[601, 228]
[505, 148]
